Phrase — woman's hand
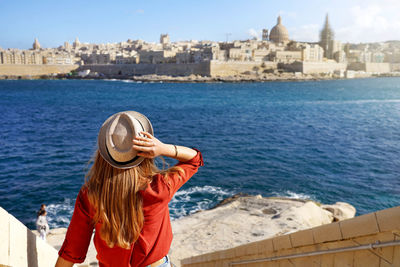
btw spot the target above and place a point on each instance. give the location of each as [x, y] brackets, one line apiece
[148, 146]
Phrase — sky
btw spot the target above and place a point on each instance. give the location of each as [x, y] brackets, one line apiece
[54, 22]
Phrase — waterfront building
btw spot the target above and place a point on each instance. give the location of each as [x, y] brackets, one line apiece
[157, 56]
[312, 53]
[16, 56]
[279, 33]
[57, 58]
[286, 56]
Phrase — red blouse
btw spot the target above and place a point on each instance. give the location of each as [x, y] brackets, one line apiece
[155, 238]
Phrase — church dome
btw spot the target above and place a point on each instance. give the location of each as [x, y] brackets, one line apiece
[279, 33]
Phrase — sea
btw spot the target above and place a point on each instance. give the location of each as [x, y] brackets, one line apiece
[327, 141]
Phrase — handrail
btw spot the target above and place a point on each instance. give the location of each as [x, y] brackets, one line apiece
[321, 252]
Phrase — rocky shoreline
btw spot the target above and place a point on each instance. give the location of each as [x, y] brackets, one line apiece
[153, 78]
[237, 220]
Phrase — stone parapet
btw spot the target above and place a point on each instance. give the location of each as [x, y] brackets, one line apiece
[129, 70]
[370, 67]
[313, 67]
[15, 70]
[21, 247]
[345, 243]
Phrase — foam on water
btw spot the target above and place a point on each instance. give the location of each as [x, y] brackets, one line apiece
[196, 198]
[59, 214]
[184, 202]
[294, 195]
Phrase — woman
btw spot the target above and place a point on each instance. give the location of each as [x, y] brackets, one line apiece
[41, 224]
[125, 198]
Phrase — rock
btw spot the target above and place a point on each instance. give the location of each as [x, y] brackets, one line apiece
[235, 221]
[309, 215]
[340, 211]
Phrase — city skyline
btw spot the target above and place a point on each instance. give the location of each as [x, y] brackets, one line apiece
[102, 22]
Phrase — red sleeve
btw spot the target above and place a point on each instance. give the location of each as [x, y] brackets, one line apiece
[189, 167]
[79, 232]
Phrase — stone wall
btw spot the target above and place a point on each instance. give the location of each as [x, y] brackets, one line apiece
[370, 67]
[34, 70]
[314, 67]
[20, 247]
[170, 69]
[374, 228]
[395, 67]
[232, 68]
[211, 68]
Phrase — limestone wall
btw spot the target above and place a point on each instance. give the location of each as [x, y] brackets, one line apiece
[395, 67]
[20, 247]
[212, 68]
[314, 67]
[170, 69]
[34, 70]
[231, 68]
[321, 67]
[370, 67]
[374, 228]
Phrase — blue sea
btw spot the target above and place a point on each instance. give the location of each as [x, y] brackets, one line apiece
[327, 141]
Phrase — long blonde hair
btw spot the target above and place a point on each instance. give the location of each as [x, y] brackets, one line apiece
[114, 193]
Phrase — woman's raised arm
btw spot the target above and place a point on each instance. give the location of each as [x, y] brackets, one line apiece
[151, 147]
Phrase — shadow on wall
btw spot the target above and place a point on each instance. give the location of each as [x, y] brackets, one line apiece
[20, 247]
[31, 249]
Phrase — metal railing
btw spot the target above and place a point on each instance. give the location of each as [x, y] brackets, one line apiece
[321, 252]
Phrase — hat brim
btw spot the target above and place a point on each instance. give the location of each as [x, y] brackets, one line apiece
[101, 139]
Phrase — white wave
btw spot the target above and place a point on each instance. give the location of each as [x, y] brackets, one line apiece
[196, 198]
[203, 189]
[59, 214]
[183, 203]
[294, 195]
[360, 101]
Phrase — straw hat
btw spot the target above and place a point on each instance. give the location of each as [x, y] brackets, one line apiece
[116, 136]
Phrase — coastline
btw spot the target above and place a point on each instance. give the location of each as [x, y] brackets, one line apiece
[152, 78]
[235, 221]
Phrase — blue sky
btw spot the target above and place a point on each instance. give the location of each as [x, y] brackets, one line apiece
[54, 22]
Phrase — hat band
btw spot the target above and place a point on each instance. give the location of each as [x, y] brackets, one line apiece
[121, 162]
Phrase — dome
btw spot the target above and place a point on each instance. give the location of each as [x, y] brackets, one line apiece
[279, 33]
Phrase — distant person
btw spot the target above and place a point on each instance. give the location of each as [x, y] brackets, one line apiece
[42, 225]
[42, 207]
[125, 197]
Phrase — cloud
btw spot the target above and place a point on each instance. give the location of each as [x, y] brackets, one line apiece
[139, 11]
[254, 33]
[305, 33]
[287, 14]
[355, 21]
[371, 22]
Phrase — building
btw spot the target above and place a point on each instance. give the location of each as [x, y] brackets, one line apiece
[36, 45]
[164, 39]
[326, 37]
[16, 56]
[76, 43]
[279, 33]
[265, 35]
